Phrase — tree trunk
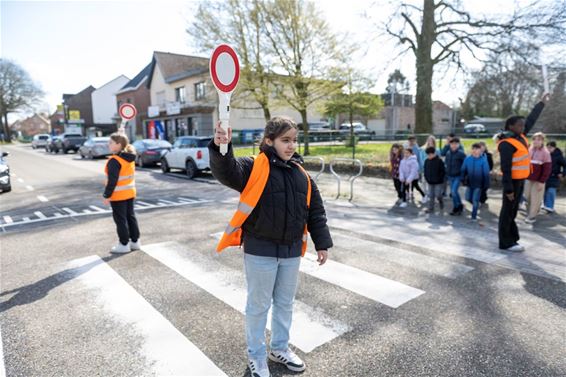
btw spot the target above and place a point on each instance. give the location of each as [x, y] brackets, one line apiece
[266, 112]
[7, 131]
[352, 140]
[306, 150]
[425, 65]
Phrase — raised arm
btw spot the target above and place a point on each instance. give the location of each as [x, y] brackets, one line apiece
[535, 113]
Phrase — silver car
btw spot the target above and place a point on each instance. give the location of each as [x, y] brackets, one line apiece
[95, 147]
[40, 141]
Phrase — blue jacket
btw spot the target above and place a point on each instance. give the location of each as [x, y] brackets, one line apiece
[453, 162]
[477, 172]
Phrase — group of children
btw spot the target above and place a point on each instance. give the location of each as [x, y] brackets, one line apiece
[411, 163]
[449, 167]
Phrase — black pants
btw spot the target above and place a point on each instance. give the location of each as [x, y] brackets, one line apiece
[398, 188]
[414, 185]
[126, 222]
[483, 196]
[508, 231]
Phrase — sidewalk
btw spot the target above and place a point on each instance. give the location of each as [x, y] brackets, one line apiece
[372, 212]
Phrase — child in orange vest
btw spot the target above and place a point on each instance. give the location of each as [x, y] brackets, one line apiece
[120, 192]
[270, 222]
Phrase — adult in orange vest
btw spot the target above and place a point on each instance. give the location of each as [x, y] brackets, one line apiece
[513, 147]
[120, 192]
[279, 202]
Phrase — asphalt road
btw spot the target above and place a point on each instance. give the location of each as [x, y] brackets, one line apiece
[403, 296]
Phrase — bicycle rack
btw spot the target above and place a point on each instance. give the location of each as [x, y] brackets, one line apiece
[323, 165]
[351, 178]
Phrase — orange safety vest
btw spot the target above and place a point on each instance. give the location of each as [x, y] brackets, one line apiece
[125, 188]
[248, 200]
[521, 168]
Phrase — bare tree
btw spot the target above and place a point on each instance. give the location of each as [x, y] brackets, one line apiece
[305, 51]
[441, 30]
[553, 118]
[17, 92]
[238, 23]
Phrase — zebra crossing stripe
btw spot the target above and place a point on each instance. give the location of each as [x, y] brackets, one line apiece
[402, 257]
[168, 351]
[144, 203]
[167, 201]
[70, 211]
[98, 209]
[388, 292]
[377, 288]
[8, 220]
[187, 200]
[310, 329]
[40, 214]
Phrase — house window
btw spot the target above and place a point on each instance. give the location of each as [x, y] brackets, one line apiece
[199, 91]
[180, 94]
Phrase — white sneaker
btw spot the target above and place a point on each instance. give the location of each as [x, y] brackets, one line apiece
[516, 248]
[403, 205]
[530, 221]
[258, 368]
[120, 249]
[289, 359]
[135, 245]
[547, 209]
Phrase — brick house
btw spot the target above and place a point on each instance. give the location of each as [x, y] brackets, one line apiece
[29, 127]
[82, 102]
[137, 93]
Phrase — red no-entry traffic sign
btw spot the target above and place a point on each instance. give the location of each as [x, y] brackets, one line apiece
[127, 111]
[224, 68]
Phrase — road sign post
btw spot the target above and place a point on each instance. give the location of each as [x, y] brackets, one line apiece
[225, 73]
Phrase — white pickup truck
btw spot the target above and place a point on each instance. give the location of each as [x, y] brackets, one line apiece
[189, 153]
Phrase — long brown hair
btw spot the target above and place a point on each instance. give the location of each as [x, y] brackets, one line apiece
[120, 138]
[276, 127]
[399, 150]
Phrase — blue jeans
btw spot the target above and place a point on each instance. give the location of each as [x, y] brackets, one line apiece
[269, 280]
[473, 196]
[549, 197]
[454, 183]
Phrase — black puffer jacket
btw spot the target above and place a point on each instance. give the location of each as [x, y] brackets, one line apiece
[281, 212]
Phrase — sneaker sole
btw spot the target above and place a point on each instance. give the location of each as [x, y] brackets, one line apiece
[290, 367]
[120, 252]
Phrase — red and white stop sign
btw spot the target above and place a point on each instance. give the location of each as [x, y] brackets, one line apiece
[224, 68]
[127, 111]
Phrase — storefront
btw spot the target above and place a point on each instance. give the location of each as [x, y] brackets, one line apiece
[190, 121]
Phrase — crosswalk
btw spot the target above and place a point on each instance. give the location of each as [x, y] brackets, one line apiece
[56, 213]
[170, 352]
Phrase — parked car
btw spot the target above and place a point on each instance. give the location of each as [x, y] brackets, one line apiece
[358, 128]
[5, 184]
[40, 141]
[316, 127]
[67, 142]
[51, 144]
[189, 153]
[95, 147]
[474, 128]
[150, 151]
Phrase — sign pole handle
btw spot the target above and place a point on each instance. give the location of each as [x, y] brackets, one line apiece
[224, 116]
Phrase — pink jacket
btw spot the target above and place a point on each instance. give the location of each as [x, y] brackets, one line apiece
[541, 164]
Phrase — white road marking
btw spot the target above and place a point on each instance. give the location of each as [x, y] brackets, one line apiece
[40, 215]
[70, 211]
[98, 209]
[167, 201]
[167, 350]
[187, 200]
[87, 211]
[386, 291]
[25, 219]
[20, 180]
[311, 327]
[57, 214]
[42, 198]
[402, 257]
[144, 203]
[29, 188]
[374, 287]
[8, 220]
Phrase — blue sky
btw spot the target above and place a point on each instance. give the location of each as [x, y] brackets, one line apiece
[68, 45]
